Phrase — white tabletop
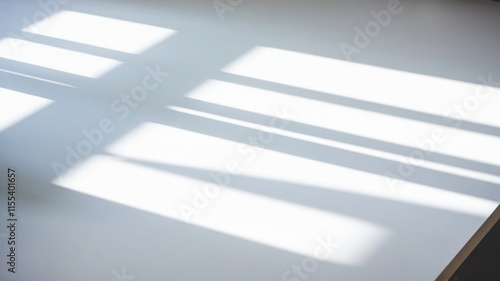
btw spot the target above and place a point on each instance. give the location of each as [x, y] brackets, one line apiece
[247, 140]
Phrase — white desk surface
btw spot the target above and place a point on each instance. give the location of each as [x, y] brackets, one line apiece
[331, 181]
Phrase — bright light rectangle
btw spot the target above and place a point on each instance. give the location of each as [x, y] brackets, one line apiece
[352, 126]
[59, 59]
[15, 106]
[276, 223]
[104, 32]
[370, 83]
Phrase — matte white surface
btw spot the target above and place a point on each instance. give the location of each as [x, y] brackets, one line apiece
[266, 88]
